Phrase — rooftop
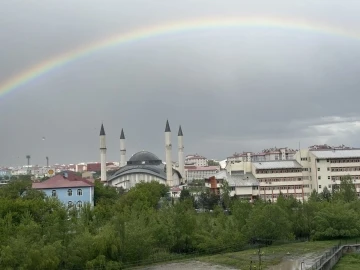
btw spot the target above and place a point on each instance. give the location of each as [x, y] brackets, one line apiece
[351, 153]
[247, 179]
[207, 168]
[63, 180]
[277, 164]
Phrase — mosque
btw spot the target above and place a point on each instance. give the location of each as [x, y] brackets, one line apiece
[144, 166]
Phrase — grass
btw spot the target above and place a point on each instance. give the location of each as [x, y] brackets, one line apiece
[348, 262]
[271, 255]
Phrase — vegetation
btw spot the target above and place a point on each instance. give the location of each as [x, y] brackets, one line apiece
[348, 262]
[144, 225]
[270, 255]
[213, 163]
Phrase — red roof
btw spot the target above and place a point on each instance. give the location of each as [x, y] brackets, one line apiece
[61, 181]
[96, 167]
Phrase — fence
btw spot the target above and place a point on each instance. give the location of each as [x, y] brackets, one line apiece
[162, 255]
[319, 262]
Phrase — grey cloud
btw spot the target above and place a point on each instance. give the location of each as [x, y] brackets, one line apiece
[230, 89]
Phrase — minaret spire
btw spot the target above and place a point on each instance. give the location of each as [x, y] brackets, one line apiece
[103, 153]
[102, 130]
[167, 128]
[122, 149]
[181, 153]
[168, 148]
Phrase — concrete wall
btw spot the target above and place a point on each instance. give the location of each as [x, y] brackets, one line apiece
[330, 261]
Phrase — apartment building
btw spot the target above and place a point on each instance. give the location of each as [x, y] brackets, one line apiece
[195, 172]
[196, 160]
[266, 155]
[325, 167]
[275, 177]
[285, 177]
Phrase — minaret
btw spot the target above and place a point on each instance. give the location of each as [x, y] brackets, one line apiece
[181, 153]
[103, 153]
[168, 147]
[122, 149]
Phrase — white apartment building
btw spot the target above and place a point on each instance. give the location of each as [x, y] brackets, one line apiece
[194, 172]
[196, 160]
[266, 155]
[285, 177]
[275, 177]
[324, 168]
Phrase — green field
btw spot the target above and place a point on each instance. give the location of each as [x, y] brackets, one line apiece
[348, 262]
[271, 255]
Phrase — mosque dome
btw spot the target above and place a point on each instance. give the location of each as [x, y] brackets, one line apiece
[144, 157]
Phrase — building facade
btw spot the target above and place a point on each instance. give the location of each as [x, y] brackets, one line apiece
[194, 172]
[196, 160]
[325, 167]
[71, 189]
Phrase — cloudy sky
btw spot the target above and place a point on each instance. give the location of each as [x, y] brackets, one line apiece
[231, 89]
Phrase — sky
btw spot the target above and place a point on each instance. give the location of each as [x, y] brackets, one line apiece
[231, 89]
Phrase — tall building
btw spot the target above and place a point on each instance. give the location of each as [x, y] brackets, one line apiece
[325, 167]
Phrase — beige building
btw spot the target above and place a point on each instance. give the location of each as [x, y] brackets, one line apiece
[324, 168]
[285, 177]
[196, 160]
[275, 177]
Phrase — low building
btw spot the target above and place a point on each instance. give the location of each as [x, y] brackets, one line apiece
[243, 186]
[69, 188]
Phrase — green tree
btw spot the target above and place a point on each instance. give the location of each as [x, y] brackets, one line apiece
[347, 190]
[269, 222]
[225, 194]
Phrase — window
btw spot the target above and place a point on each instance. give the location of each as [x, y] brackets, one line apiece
[53, 193]
[319, 186]
[319, 177]
[79, 204]
[318, 160]
[328, 169]
[327, 160]
[318, 169]
[79, 192]
[70, 203]
[69, 192]
[328, 177]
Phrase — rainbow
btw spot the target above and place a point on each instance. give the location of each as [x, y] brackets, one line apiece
[58, 61]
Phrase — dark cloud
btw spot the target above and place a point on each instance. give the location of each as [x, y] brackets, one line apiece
[230, 89]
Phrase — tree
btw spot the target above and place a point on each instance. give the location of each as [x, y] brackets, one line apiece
[185, 194]
[213, 163]
[347, 190]
[225, 194]
[269, 222]
[325, 194]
